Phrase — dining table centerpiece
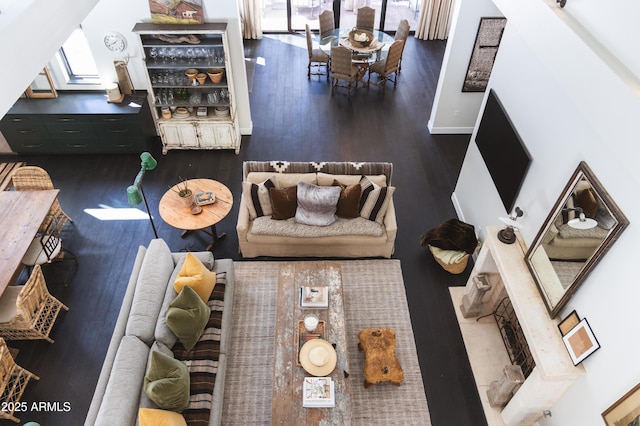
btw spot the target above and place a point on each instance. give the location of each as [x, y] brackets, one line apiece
[360, 38]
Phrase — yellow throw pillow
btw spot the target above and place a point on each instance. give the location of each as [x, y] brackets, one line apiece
[155, 417]
[195, 275]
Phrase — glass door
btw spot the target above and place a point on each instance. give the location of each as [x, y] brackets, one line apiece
[292, 15]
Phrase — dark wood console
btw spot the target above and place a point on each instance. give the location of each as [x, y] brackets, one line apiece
[79, 123]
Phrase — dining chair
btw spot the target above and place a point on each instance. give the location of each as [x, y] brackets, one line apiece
[326, 21]
[28, 312]
[388, 66]
[31, 178]
[401, 34]
[13, 382]
[365, 18]
[47, 245]
[317, 58]
[342, 68]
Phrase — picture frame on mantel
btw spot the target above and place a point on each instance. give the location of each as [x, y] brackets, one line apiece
[484, 54]
[580, 342]
[567, 324]
[180, 12]
[625, 411]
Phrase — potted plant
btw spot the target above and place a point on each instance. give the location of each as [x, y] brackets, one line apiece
[183, 191]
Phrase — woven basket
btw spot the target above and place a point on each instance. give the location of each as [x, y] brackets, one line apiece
[453, 268]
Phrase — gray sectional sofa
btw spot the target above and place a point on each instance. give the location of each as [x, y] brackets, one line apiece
[119, 391]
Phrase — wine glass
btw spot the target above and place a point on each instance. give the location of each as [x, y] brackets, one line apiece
[191, 54]
[173, 52]
[153, 53]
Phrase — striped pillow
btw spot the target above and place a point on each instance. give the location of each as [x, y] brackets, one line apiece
[374, 200]
[257, 197]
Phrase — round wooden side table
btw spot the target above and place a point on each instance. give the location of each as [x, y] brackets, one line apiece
[175, 213]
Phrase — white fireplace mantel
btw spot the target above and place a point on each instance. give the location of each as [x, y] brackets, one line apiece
[554, 372]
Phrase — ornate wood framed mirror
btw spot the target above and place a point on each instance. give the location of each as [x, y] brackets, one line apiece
[581, 227]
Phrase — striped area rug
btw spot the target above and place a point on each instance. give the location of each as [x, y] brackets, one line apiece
[374, 297]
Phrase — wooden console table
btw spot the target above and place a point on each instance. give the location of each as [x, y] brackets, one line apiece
[287, 376]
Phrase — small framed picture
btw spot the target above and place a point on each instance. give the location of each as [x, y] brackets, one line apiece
[568, 323]
[625, 411]
[580, 342]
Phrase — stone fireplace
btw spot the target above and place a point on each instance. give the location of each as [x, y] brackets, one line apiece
[494, 340]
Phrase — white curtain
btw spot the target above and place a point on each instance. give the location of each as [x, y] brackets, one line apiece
[250, 18]
[435, 19]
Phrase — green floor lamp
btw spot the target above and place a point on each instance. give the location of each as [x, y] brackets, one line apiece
[135, 194]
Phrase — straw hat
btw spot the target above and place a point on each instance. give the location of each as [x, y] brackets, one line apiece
[318, 357]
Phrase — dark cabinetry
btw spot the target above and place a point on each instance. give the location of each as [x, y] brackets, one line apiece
[82, 123]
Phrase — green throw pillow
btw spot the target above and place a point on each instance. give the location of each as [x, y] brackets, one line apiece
[167, 382]
[187, 316]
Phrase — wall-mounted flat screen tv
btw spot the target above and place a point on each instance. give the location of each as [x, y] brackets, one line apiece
[502, 149]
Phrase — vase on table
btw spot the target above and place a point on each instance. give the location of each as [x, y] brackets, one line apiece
[186, 196]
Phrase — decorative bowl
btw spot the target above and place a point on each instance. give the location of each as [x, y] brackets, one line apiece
[215, 74]
[360, 38]
[191, 73]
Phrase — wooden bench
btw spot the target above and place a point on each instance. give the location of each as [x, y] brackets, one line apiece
[380, 362]
[6, 172]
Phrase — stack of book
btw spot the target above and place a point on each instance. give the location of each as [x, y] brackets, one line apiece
[318, 392]
[314, 297]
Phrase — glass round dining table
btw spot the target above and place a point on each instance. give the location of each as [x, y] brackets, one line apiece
[340, 36]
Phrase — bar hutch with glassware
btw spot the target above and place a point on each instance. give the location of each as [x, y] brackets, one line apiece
[190, 85]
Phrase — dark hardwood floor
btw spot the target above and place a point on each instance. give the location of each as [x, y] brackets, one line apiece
[294, 119]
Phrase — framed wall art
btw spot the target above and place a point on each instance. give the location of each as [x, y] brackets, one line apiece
[567, 324]
[580, 342]
[42, 86]
[484, 54]
[176, 12]
[625, 411]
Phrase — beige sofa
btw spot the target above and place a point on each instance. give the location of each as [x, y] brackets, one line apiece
[119, 392]
[350, 238]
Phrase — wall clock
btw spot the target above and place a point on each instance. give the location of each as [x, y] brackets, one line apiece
[115, 41]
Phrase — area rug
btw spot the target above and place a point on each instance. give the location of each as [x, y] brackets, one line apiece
[374, 296]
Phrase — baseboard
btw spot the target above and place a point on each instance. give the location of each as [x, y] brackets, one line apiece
[449, 130]
[460, 215]
[247, 131]
[456, 206]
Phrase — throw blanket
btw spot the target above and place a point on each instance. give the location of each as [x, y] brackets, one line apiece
[202, 360]
[290, 228]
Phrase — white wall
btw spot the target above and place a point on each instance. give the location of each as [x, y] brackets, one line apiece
[31, 32]
[572, 100]
[35, 48]
[455, 111]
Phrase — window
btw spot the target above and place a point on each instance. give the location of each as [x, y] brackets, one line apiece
[77, 59]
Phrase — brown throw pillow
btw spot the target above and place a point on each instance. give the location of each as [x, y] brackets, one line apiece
[283, 202]
[588, 202]
[349, 202]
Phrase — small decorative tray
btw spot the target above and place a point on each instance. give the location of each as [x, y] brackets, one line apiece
[204, 198]
[303, 336]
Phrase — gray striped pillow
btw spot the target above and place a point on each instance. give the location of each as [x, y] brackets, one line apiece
[257, 198]
[374, 200]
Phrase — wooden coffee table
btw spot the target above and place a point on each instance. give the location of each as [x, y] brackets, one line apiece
[381, 364]
[176, 214]
[286, 406]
